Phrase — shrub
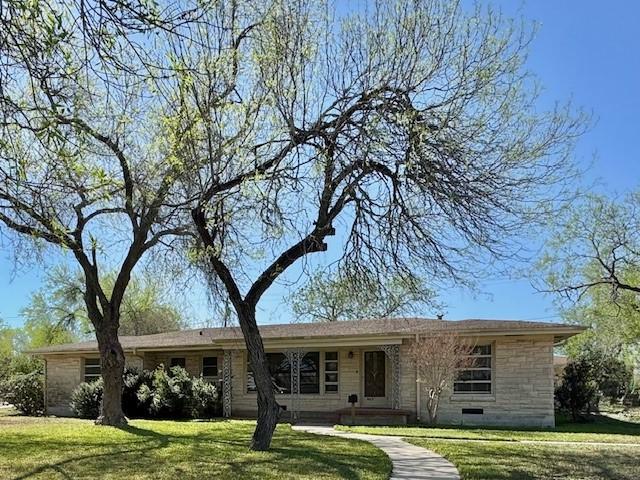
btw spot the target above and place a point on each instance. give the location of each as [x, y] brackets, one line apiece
[156, 394]
[25, 391]
[170, 395]
[577, 393]
[133, 380]
[86, 398]
[205, 403]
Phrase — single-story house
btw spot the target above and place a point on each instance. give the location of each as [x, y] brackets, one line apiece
[318, 368]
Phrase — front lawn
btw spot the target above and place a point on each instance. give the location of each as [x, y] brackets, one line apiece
[486, 460]
[507, 454]
[53, 449]
[601, 430]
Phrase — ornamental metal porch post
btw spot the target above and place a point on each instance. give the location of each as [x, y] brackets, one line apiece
[294, 356]
[226, 384]
[393, 354]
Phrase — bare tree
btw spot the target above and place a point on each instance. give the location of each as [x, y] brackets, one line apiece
[439, 356]
[407, 130]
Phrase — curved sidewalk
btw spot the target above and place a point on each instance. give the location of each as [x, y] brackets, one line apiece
[409, 461]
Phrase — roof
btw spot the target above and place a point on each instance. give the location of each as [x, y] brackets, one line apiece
[382, 327]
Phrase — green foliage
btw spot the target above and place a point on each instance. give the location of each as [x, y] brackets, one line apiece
[350, 296]
[592, 263]
[133, 380]
[577, 392]
[153, 394]
[613, 376]
[12, 361]
[57, 312]
[170, 395]
[25, 391]
[86, 398]
[206, 401]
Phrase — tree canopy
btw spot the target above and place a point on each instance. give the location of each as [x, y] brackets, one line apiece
[592, 264]
[327, 298]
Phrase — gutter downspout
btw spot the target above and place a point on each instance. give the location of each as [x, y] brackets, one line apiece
[417, 388]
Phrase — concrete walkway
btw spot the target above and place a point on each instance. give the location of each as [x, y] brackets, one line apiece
[409, 461]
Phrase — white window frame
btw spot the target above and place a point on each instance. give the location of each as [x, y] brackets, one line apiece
[336, 371]
[489, 369]
[91, 363]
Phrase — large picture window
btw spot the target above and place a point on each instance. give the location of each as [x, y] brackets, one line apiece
[91, 369]
[476, 378]
[280, 370]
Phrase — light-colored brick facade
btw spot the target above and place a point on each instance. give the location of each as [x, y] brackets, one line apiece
[522, 378]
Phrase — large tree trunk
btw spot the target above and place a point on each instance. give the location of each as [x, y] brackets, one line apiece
[112, 364]
[268, 408]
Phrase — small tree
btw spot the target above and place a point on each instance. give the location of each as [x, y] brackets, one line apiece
[578, 391]
[438, 357]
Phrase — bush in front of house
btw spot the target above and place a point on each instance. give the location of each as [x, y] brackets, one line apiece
[132, 381]
[86, 398]
[206, 400]
[25, 391]
[577, 394]
[153, 394]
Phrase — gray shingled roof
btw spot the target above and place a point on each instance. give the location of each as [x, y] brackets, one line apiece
[375, 327]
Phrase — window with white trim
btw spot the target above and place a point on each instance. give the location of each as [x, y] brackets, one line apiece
[331, 372]
[477, 377]
[92, 369]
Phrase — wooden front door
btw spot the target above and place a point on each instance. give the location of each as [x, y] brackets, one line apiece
[375, 379]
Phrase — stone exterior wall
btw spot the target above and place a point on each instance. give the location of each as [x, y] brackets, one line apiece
[64, 374]
[522, 388]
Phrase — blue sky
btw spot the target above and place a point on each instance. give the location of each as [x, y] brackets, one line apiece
[583, 51]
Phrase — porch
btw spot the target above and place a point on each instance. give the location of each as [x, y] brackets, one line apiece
[317, 383]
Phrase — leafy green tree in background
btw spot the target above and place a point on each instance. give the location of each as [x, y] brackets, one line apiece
[592, 265]
[327, 298]
[57, 314]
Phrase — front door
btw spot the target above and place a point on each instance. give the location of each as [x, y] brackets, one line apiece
[375, 379]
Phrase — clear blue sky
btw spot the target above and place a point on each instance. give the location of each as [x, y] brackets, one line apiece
[584, 50]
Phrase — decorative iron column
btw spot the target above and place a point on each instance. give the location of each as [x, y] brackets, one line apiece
[393, 354]
[294, 356]
[226, 384]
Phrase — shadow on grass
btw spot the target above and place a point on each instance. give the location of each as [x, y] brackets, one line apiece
[196, 450]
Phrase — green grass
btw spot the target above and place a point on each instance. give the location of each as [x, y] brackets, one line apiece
[486, 460]
[499, 454]
[602, 429]
[55, 449]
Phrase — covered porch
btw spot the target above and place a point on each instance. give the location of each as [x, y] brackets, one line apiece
[322, 383]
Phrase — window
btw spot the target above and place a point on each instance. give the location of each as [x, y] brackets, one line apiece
[177, 362]
[280, 370]
[331, 372]
[91, 369]
[310, 373]
[476, 378]
[209, 366]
